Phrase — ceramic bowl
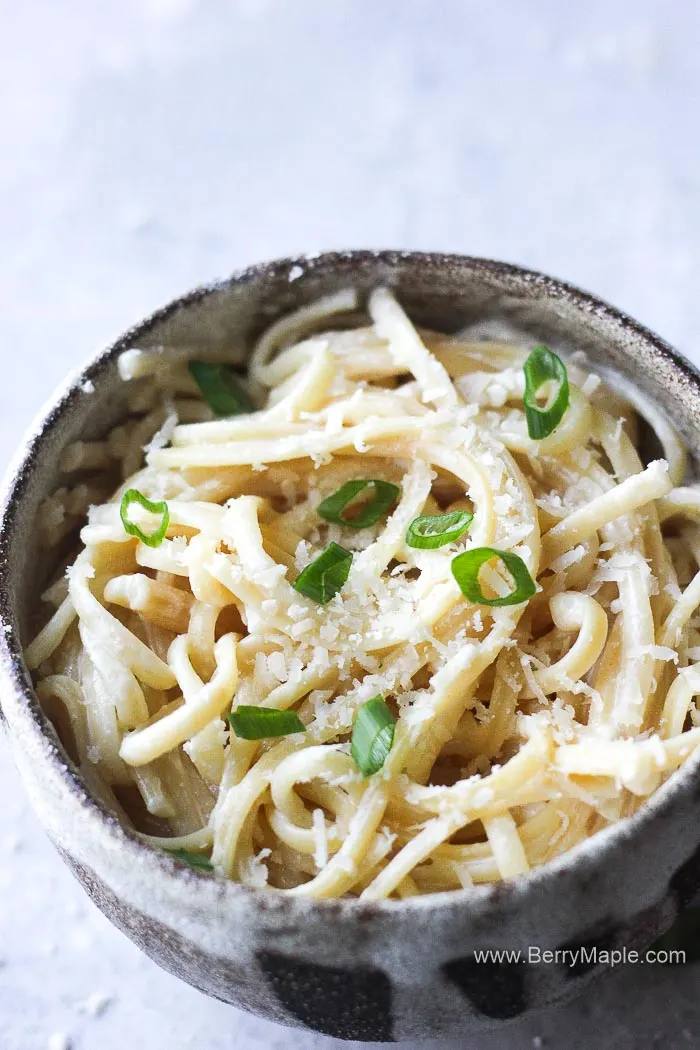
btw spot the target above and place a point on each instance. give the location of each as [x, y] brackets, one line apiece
[367, 971]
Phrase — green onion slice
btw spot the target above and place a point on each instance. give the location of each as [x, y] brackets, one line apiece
[466, 566]
[220, 389]
[151, 539]
[324, 577]
[257, 723]
[195, 860]
[385, 495]
[541, 366]
[372, 736]
[435, 530]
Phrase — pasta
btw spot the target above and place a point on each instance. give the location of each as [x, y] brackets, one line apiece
[421, 620]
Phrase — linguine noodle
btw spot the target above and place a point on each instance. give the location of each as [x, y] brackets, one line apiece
[433, 740]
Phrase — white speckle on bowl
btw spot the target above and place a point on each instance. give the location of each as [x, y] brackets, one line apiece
[295, 273]
[88, 387]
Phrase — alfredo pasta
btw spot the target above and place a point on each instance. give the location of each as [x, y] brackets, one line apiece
[420, 620]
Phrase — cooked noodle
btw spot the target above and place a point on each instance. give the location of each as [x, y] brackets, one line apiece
[520, 729]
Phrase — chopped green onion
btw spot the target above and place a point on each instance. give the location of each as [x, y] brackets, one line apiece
[385, 494]
[195, 860]
[372, 736]
[220, 389]
[257, 723]
[541, 366]
[151, 539]
[324, 577]
[466, 566]
[435, 530]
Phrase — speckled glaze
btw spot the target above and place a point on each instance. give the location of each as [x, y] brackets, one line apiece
[367, 971]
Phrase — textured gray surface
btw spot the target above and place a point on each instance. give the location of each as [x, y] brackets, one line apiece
[152, 144]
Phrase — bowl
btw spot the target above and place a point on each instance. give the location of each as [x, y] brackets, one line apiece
[356, 970]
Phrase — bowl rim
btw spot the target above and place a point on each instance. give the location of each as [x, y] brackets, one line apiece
[586, 857]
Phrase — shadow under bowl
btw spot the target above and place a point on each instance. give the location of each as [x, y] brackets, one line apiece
[356, 970]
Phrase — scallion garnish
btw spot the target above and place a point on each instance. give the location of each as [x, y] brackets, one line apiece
[257, 723]
[385, 495]
[372, 736]
[195, 860]
[220, 389]
[435, 530]
[324, 577]
[541, 366]
[466, 566]
[151, 539]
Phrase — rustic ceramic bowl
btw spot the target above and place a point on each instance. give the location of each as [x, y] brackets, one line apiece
[372, 971]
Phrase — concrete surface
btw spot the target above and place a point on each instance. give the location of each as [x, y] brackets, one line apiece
[149, 145]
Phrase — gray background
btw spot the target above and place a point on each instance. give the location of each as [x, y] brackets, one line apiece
[150, 145]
